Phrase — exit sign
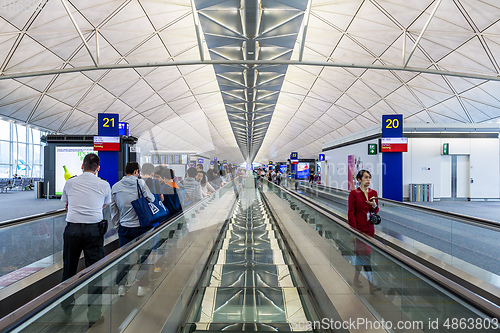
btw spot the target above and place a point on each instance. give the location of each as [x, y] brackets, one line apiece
[446, 148]
[372, 149]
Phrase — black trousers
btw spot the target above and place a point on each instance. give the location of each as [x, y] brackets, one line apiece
[80, 237]
[126, 235]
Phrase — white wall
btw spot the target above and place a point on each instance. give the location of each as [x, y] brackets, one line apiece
[423, 163]
[336, 164]
[425, 153]
[485, 168]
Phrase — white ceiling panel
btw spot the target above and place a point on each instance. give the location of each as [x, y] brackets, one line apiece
[184, 105]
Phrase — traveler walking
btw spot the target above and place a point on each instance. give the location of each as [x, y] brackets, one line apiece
[85, 197]
[124, 216]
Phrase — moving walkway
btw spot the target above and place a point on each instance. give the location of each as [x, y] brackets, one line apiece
[463, 248]
[258, 259]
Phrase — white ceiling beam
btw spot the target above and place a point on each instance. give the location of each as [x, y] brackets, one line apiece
[302, 42]
[79, 32]
[252, 62]
[422, 32]
[197, 28]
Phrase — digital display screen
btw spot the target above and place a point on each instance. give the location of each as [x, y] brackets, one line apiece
[106, 143]
[394, 145]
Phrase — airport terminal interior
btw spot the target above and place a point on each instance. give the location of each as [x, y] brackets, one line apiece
[293, 112]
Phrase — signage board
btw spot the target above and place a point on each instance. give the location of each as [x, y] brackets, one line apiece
[106, 143]
[446, 148]
[394, 145]
[123, 129]
[392, 126]
[200, 161]
[372, 149]
[321, 157]
[294, 158]
[108, 124]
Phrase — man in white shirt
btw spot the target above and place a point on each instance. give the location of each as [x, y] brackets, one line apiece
[85, 196]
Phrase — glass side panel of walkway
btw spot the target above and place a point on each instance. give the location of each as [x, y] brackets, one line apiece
[251, 283]
[452, 240]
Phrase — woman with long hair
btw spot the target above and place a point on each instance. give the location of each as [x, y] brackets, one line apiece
[363, 202]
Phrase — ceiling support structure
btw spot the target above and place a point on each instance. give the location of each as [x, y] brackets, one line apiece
[302, 42]
[243, 34]
[404, 46]
[199, 33]
[97, 46]
[251, 62]
[79, 32]
[422, 32]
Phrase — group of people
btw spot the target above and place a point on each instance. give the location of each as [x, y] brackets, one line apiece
[271, 175]
[87, 195]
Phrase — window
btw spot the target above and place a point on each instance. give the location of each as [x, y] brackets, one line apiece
[21, 151]
[4, 130]
[4, 171]
[4, 152]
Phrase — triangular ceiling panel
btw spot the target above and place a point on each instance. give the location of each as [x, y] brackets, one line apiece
[324, 103]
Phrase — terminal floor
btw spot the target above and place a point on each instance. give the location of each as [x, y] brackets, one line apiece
[16, 204]
[489, 210]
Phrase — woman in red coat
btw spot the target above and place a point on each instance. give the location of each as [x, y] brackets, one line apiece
[363, 202]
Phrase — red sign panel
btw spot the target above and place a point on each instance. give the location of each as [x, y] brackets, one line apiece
[394, 145]
[106, 143]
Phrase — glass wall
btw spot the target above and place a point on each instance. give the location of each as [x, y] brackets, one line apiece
[21, 151]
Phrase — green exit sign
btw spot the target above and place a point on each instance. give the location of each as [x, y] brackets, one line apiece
[372, 149]
[446, 148]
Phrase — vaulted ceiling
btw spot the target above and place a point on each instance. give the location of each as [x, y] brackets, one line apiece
[247, 79]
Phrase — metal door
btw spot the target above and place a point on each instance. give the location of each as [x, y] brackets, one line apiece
[453, 177]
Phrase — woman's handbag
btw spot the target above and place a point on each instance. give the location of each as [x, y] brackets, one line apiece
[149, 213]
[375, 219]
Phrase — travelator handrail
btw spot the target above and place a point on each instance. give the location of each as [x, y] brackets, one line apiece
[450, 215]
[486, 305]
[29, 310]
[31, 218]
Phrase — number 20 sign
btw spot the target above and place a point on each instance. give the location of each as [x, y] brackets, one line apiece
[392, 126]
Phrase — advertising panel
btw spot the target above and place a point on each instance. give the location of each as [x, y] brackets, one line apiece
[283, 168]
[354, 165]
[69, 163]
[302, 170]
